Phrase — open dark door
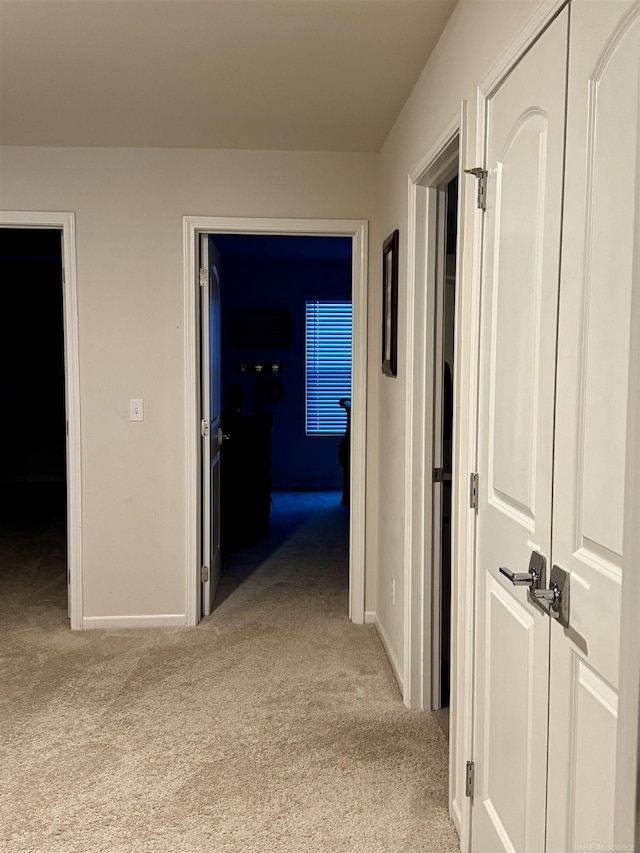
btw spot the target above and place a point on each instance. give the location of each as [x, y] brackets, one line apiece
[210, 413]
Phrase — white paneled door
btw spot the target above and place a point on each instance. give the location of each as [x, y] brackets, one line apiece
[555, 309]
[211, 423]
[591, 418]
[515, 452]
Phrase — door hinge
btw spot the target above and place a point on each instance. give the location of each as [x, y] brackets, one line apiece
[204, 573]
[204, 277]
[437, 475]
[481, 176]
[204, 427]
[470, 779]
[473, 491]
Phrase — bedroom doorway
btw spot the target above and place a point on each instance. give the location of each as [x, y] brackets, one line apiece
[283, 356]
[356, 232]
[40, 461]
[33, 481]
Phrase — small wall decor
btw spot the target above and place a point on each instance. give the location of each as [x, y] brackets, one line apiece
[390, 304]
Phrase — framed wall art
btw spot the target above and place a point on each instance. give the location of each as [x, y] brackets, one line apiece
[390, 304]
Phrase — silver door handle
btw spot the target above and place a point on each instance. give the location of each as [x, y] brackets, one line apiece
[549, 599]
[555, 600]
[222, 436]
[534, 578]
[524, 579]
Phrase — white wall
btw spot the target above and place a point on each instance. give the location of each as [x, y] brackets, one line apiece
[475, 36]
[129, 205]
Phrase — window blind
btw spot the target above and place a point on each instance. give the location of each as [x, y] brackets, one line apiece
[328, 366]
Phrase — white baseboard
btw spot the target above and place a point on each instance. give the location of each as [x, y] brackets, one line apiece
[369, 617]
[456, 817]
[163, 620]
[395, 666]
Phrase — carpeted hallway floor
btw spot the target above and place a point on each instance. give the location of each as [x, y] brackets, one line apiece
[275, 725]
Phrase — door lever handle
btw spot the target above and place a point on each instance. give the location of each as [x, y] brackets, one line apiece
[555, 600]
[549, 599]
[523, 579]
[534, 578]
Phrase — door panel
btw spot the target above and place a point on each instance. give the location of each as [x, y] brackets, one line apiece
[518, 268]
[592, 771]
[211, 409]
[511, 648]
[515, 443]
[591, 417]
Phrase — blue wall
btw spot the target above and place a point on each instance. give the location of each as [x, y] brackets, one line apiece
[299, 462]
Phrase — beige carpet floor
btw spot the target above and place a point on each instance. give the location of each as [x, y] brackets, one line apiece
[275, 725]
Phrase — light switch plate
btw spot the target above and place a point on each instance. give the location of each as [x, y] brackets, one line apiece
[136, 410]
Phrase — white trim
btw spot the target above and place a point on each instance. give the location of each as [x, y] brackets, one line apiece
[369, 617]
[627, 812]
[423, 180]
[464, 518]
[395, 665]
[531, 30]
[457, 818]
[108, 623]
[358, 231]
[66, 223]
[429, 168]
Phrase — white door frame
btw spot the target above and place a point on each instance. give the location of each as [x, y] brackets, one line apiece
[424, 180]
[65, 222]
[193, 226]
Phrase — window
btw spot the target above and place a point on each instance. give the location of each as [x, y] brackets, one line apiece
[328, 364]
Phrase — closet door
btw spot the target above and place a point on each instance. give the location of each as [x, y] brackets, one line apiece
[591, 418]
[525, 143]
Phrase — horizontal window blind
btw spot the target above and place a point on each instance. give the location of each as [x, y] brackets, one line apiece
[328, 366]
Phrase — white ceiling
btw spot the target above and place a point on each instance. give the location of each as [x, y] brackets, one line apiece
[328, 75]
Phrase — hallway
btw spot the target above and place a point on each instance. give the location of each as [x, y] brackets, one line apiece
[276, 724]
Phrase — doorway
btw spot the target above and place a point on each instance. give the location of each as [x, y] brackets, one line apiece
[40, 476]
[444, 371]
[430, 474]
[33, 470]
[285, 369]
[356, 233]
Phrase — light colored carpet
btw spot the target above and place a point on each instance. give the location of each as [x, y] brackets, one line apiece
[276, 725]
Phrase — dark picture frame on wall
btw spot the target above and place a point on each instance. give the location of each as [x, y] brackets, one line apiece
[390, 304]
